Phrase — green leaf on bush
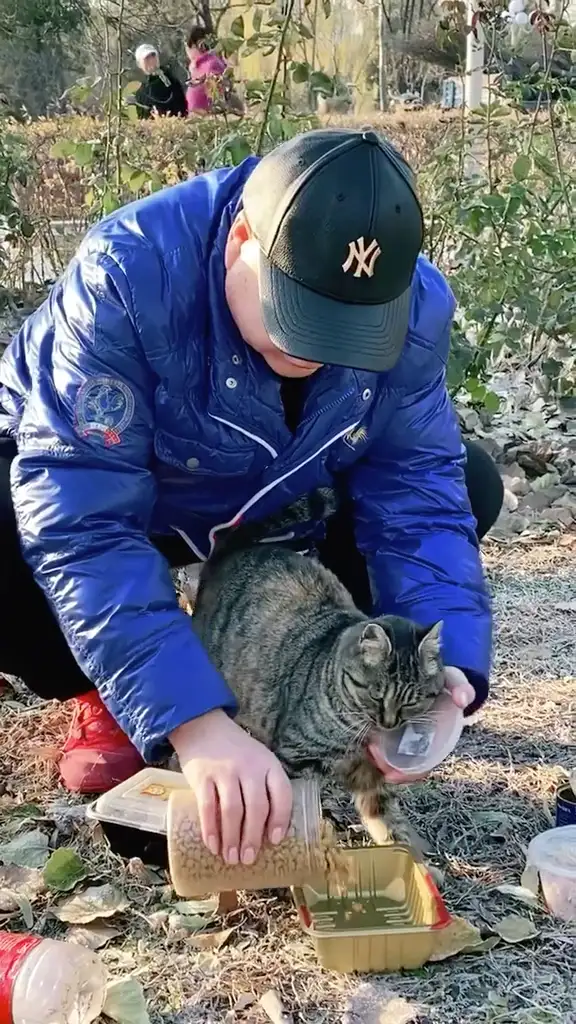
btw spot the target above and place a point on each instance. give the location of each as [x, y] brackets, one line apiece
[130, 89]
[491, 402]
[326, 8]
[300, 73]
[64, 870]
[62, 149]
[544, 164]
[238, 149]
[137, 181]
[237, 27]
[82, 154]
[494, 201]
[321, 82]
[257, 20]
[522, 167]
[132, 112]
[303, 30]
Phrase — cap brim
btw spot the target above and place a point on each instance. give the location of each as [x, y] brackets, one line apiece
[309, 326]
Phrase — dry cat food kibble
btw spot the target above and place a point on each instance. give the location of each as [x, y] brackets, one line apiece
[305, 853]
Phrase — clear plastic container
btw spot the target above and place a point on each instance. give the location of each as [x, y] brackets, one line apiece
[553, 855]
[422, 743]
[141, 802]
[196, 872]
[133, 814]
[47, 982]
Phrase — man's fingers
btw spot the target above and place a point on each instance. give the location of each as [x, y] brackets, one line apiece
[280, 797]
[207, 803]
[392, 775]
[256, 810]
[231, 816]
[460, 688]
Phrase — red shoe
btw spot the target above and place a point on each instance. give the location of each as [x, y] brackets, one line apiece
[97, 755]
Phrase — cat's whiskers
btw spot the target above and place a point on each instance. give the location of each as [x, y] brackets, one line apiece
[358, 733]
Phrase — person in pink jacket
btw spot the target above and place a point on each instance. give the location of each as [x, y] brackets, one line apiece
[205, 64]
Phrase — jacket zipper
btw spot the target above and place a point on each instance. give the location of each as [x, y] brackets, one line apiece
[274, 483]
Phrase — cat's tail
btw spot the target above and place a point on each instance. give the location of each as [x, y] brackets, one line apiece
[310, 508]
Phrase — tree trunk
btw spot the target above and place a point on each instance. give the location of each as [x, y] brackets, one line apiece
[382, 83]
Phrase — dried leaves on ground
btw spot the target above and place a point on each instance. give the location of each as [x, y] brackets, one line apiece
[512, 963]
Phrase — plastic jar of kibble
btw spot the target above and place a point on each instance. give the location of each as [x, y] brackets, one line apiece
[301, 856]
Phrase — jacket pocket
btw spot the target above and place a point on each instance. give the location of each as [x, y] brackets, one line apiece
[195, 458]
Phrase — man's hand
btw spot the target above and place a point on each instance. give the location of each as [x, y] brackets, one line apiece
[462, 693]
[240, 786]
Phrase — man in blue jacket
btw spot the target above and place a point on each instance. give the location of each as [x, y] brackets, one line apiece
[212, 352]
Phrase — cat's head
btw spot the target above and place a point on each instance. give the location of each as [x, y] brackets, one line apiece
[391, 669]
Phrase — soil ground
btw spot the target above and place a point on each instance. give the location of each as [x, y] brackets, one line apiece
[478, 813]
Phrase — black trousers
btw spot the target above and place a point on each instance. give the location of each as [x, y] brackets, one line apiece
[32, 646]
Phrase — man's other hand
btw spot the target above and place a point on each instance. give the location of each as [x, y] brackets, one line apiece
[462, 693]
[240, 787]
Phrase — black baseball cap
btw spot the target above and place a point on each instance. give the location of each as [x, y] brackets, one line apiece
[339, 227]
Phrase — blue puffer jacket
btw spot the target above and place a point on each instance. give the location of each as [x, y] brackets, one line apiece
[138, 410]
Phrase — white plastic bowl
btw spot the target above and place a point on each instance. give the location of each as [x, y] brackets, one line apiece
[420, 744]
[553, 855]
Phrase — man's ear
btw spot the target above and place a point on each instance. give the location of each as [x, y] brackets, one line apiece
[238, 234]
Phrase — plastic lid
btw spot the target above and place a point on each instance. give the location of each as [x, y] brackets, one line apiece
[422, 743]
[142, 801]
[554, 851]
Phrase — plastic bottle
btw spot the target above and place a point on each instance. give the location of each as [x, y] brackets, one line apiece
[47, 982]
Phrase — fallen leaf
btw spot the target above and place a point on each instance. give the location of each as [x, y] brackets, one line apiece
[519, 892]
[180, 925]
[95, 902]
[144, 874]
[92, 936]
[26, 882]
[11, 902]
[211, 940]
[498, 824]
[529, 879]
[29, 850]
[125, 1002]
[157, 920]
[273, 1008]
[64, 870]
[58, 811]
[25, 812]
[372, 1003]
[197, 907]
[458, 937]
[244, 1000]
[486, 945]
[516, 929]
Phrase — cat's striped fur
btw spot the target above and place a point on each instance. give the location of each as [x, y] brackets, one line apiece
[312, 674]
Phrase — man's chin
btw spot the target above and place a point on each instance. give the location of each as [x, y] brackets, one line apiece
[286, 366]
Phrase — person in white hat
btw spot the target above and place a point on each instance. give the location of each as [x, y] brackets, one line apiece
[161, 93]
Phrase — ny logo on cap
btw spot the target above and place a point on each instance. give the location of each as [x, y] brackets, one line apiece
[364, 255]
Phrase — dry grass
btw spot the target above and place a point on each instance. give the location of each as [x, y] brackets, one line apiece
[478, 814]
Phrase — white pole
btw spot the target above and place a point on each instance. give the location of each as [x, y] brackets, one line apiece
[474, 60]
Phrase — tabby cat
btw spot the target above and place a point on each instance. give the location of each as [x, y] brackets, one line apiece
[313, 675]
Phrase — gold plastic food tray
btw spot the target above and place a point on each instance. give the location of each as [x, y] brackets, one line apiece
[385, 921]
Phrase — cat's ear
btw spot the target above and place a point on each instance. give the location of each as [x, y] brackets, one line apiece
[375, 644]
[429, 649]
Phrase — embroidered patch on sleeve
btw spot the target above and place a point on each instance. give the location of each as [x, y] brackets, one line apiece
[104, 408]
